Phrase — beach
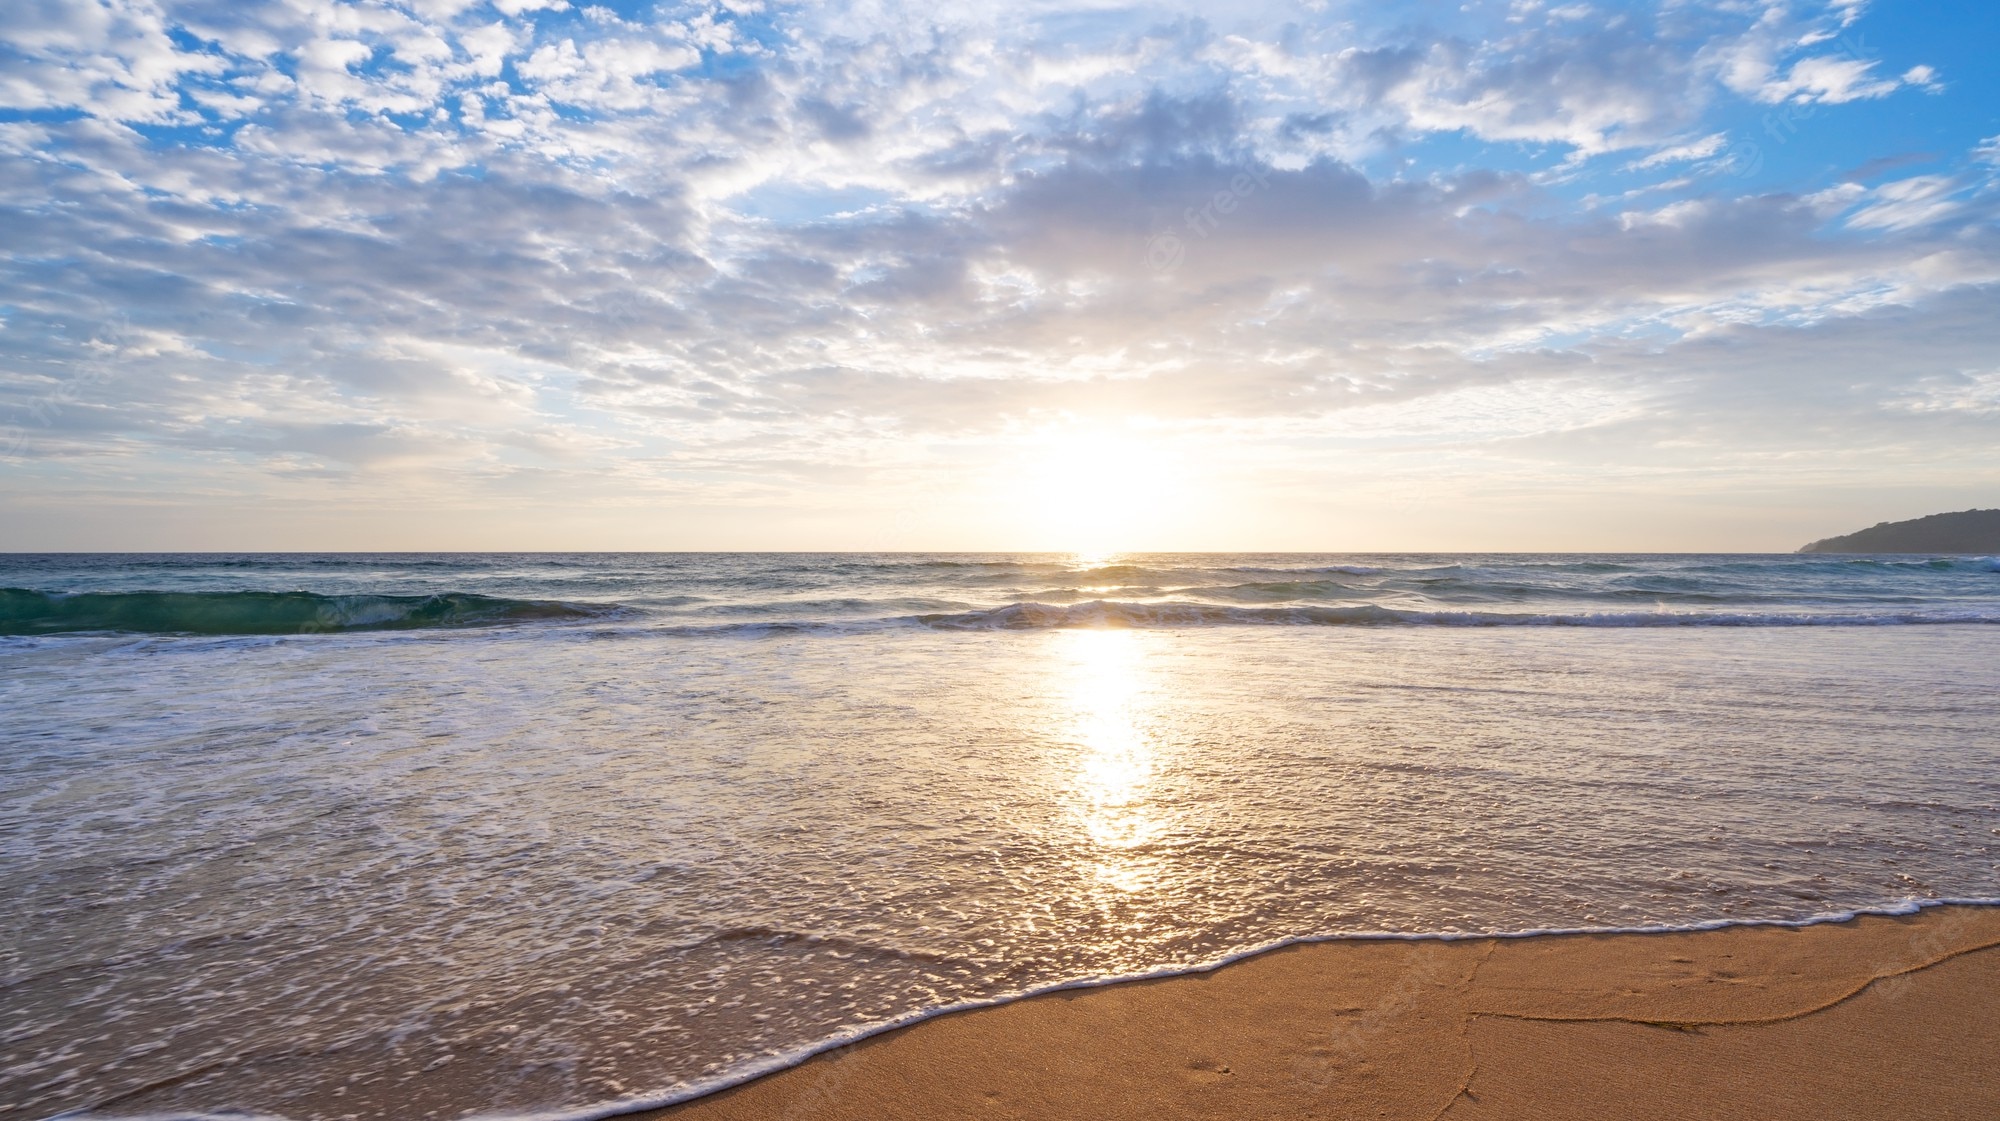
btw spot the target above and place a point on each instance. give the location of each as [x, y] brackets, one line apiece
[1874, 1017]
[867, 561]
[566, 836]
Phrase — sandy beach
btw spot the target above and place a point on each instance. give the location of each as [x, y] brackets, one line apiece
[1875, 1017]
[822, 560]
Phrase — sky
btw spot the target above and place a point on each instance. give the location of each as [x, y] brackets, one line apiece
[1324, 276]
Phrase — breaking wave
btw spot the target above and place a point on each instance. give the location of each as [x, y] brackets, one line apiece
[1108, 613]
[26, 612]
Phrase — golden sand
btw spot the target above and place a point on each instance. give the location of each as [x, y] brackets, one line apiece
[1878, 1017]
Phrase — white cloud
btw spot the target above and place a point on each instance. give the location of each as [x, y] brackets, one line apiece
[537, 251]
[1974, 392]
[1755, 63]
[1923, 77]
[489, 45]
[1682, 153]
[1828, 80]
[605, 75]
[1908, 203]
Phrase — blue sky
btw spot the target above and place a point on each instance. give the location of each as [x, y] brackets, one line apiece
[540, 274]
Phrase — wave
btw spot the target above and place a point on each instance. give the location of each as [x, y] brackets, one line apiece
[1111, 613]
[27, 612]
[758, 1066]
[1323, 569]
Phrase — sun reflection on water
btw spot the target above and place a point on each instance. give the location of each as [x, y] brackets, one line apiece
[1109, 795]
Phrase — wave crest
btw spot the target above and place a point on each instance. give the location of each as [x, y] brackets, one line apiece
[1112, 613]
[27, 612]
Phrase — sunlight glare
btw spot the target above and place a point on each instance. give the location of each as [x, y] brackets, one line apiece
[1097, 490]
[1117, 763]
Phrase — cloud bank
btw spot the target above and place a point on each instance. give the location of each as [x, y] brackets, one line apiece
[538, 274]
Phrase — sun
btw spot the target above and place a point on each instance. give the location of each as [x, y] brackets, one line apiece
[1096, 490]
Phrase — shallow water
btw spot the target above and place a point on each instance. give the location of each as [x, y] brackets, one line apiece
[734, 808]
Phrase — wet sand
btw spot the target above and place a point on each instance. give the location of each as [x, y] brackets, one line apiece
[1878, 1017]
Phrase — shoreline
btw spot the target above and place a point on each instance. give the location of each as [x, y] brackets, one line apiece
[1311, 1027]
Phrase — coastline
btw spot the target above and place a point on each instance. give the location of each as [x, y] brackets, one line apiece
[525, 872]
[1874, 1014]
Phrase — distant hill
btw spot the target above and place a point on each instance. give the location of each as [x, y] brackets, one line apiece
[1968, 531]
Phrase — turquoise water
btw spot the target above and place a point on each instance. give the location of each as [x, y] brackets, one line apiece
[422, 836]
[291, 594]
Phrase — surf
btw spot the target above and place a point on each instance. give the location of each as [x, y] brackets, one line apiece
[27, 612]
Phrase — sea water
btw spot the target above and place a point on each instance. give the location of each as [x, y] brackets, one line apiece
[560, 835]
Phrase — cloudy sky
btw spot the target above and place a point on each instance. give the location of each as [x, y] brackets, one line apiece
[1325, 275]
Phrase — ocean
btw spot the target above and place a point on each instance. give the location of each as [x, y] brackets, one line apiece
[563, 835]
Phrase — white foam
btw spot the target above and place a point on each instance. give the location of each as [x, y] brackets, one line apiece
[1187, 613]
[751, 1071]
